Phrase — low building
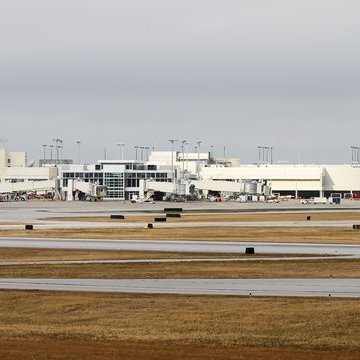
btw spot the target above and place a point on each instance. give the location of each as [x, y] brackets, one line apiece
[297, 180]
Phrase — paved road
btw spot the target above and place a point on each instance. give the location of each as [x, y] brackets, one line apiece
[32, 211]
[255, 287]
[182, 246]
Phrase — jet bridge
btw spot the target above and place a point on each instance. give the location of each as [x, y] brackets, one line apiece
[88, 190]
[182, 188]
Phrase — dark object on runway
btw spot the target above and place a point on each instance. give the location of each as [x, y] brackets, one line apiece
[173, 209]
[173, 215]
[356, 227]
[249, 251]
[149, 226]
[117, 216]
[159, 219]
[29, 227]
[308, 218]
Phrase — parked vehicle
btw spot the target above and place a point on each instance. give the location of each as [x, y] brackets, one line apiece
[320, 200]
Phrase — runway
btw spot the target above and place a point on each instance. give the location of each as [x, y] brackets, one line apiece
[59, 225]
[183, 246]
[240, 287]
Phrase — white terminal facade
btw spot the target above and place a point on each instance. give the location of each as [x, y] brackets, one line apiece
[124, 179]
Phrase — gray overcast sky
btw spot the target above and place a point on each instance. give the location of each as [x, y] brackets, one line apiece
[231, 72]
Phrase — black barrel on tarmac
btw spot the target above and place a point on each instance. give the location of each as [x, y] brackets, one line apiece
[173, 215]
[117, 217]
[173, 210]
[249, 251]
[29, 227]
[159, 219]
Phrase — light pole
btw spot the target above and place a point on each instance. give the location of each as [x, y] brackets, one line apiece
[118, 152]
[44, 146]
[120, 145]
[267, 154]
[147, 152]
[79, 151]
[183, 143]
[224, 152]
[141, 152]
[61, 149]
[172, 141]
[136, 152]
[51, 152]
[187, 157]
[198, 158]
[263, 154]
[57, 149]
[57, 142]
[3, 142]
[355, 159]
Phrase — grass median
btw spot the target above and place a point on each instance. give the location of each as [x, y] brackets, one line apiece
[218, 326]
[333, 235]
[25, 254]
[334, 268]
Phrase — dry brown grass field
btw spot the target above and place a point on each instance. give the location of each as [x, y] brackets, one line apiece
[334, 268]
[59, 325]
[256, 234]
[24, 254]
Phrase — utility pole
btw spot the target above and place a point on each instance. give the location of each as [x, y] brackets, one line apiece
[224, 152]
[141, 152]
[172, 141]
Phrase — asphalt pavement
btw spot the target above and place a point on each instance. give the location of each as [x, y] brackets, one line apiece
[245, 287]
[183, 246]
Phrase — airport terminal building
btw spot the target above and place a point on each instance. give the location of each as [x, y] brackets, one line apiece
[297, 180]
[123, 178]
